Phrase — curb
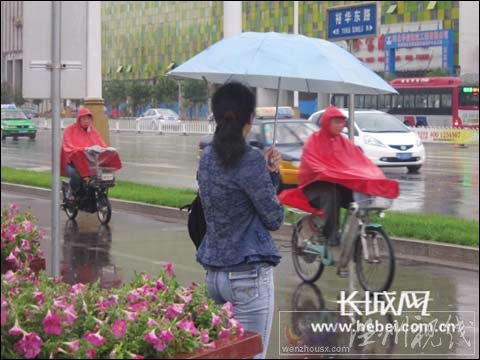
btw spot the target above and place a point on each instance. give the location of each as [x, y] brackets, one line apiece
[450, 255]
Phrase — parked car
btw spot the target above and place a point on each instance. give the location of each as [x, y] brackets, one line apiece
[16, 124]
[384, 139]
[291, 136]
[154, 118]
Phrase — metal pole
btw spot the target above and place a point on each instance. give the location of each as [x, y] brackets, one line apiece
[276, 112]
[56, 68]
[351, 106]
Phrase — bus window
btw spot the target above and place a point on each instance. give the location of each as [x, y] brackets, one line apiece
[446, 100]
[434, 101]
[420, 101]
[409, 101]
[396, 101]
[468, 97]
[359, 101]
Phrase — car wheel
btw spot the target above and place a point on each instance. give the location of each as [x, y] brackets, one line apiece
[414, 169]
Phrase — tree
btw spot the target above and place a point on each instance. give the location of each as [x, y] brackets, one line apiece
[114, 92]
[194, 92]
[437, 72]
[139, 93]
[7, 93]
[165, 91]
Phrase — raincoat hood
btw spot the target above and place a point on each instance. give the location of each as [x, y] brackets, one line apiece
[329, 114]
[83, 111]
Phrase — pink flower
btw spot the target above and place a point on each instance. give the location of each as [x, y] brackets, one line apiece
[41, 254]
[16, 251]
[216, 320]
[73, 346]
[14, 209]
[151, 338]
[151, 322]
[78, 288]
[4, 317]
[140, 307]
[27, 225]
[203, 307]
[234, 324]
[174, 310]
[102, 304]
[30, 257]
[52, 324]
[160, 285]
[186, 299]
[192, 286]
[145, 277]
[204, 338]
[133, 296]
[16, 330]
[169, 267]
[160, 346]
[166, 336]
[119, 328]
[38, 295]
[131, 316]
[10, 277]
[69, 314]
[30, 346]
[91, 353]
[224, 333]
[95, 339]
[11, 258]
[228, 308]
[25, 245]
[188, 326]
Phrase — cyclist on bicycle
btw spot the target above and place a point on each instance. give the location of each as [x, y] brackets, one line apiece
[332, 168]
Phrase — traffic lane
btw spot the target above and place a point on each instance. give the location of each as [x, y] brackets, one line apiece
[134, 242]
[447, 184]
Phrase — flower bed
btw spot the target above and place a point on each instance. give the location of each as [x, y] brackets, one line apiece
[20, 241]
[150, 317]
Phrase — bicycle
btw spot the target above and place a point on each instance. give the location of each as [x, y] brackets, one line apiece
[365, 243]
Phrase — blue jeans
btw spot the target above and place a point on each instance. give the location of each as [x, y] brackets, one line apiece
[252, 294]
[75, 178]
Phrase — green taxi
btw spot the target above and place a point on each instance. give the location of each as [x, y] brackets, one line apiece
[16, 124]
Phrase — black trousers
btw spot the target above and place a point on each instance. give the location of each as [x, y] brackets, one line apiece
[329, 197]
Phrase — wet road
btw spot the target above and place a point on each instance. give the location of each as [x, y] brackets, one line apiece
[447, 184]
[139, 243]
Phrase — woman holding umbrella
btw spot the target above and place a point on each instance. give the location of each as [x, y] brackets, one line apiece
[237, 189]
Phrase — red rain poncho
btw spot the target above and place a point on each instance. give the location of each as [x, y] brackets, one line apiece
[333, 158]
[76, 139]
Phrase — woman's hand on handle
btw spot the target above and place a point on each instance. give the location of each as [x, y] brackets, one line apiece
[272, 158]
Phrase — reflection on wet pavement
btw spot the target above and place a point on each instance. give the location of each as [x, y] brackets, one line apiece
[447, 184]
[139, 243]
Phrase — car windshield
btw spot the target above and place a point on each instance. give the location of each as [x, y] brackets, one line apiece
[13, 115]
[290, 134]
[379, 122]
[168, 113]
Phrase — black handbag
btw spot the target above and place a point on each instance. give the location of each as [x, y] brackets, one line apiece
[197, 227]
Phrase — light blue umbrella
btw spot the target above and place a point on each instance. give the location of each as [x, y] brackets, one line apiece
[283, 62]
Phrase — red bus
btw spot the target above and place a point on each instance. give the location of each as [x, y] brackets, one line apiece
[435, 101]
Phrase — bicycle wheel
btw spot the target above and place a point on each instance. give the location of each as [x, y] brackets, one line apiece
[104, 210]
[308, 266]
[376, 268]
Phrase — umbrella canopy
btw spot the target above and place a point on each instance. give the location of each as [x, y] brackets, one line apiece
[302, 63]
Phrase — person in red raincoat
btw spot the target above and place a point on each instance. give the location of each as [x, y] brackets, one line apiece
[331, 169]
[76, 138]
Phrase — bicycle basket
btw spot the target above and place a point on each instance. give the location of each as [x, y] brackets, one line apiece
[368, 202]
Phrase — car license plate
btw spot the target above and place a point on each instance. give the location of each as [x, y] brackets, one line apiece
[404, 156]
[107, 177]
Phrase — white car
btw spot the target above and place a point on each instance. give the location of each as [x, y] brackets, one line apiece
[154, 118]
[384, 139]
